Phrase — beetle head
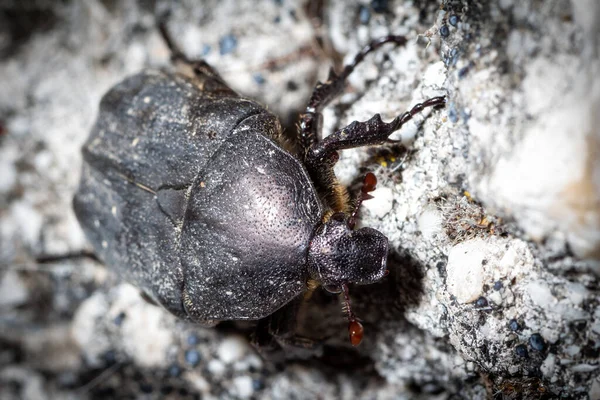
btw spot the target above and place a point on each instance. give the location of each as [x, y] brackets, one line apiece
[339, 255]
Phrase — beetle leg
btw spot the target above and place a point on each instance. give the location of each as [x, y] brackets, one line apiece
[273, 346]
[321, 156]
[369, 185]
[355, 328]
[324, 93]
[277, 332]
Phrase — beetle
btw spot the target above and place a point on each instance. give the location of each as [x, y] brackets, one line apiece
[189, 191]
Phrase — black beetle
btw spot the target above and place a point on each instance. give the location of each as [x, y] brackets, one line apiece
[190, 192]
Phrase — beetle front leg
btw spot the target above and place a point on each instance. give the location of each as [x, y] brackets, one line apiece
[321, 156]
[324, 93]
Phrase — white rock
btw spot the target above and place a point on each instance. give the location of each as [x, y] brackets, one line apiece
[216, 367]
[584, 368]
[29, 221]
[572, 350]
[540, 294]
[12, 290]
[242, 387]
[495, 297]
[8, 177]
[507, 262]
[430, 222]
[83, 329]
[145, 330]
[465, 270]
[232, 348]
[381, 203]
[587, 14]
[549, 180]
[548, 365]
[435, 75]
[576, 292]
[197, 381]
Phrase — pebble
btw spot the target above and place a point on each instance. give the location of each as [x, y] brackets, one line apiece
[465, 270]
[119, 318]
[244, 386]
[192, 357]
[481, 302]
[232, 349]
[227, 44]
[364, 15]
[521, 351]
[192, 339]
[537, 342]
[258, 78]
[444, 31]
[379, 6]
[174, 370]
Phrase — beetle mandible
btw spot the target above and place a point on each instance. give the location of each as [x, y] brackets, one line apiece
[189, 192]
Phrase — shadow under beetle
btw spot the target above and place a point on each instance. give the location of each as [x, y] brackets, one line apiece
[188, 191]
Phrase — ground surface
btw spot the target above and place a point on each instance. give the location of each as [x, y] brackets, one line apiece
[492, 206]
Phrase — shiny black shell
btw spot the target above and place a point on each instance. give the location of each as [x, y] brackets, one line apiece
[186, 192]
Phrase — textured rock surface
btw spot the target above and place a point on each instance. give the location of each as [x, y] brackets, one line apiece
[492, 212]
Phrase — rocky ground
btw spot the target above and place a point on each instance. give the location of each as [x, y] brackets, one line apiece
[492, 205]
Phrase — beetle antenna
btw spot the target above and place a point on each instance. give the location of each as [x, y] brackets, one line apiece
[355, 328]
[369, 184]
[176, 53]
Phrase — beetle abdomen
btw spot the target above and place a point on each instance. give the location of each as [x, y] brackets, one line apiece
[155, 131]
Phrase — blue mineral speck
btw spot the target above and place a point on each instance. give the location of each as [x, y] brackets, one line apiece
[454, 56]
[258, 78]
[497, 285]
[481, 302]
[452, 114]
[521, 351]
[146, 387]
[192, 357]
[465, 115]
[192, 339]
[453, 20]
[205, 50]
[257, 384]
[364, 15]
[174, 370]
[463, 72]
[110, 357]
[119, 318]
[444, 31]
[537, 342]
[514, 325]
[379, 6]
[227, 44]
